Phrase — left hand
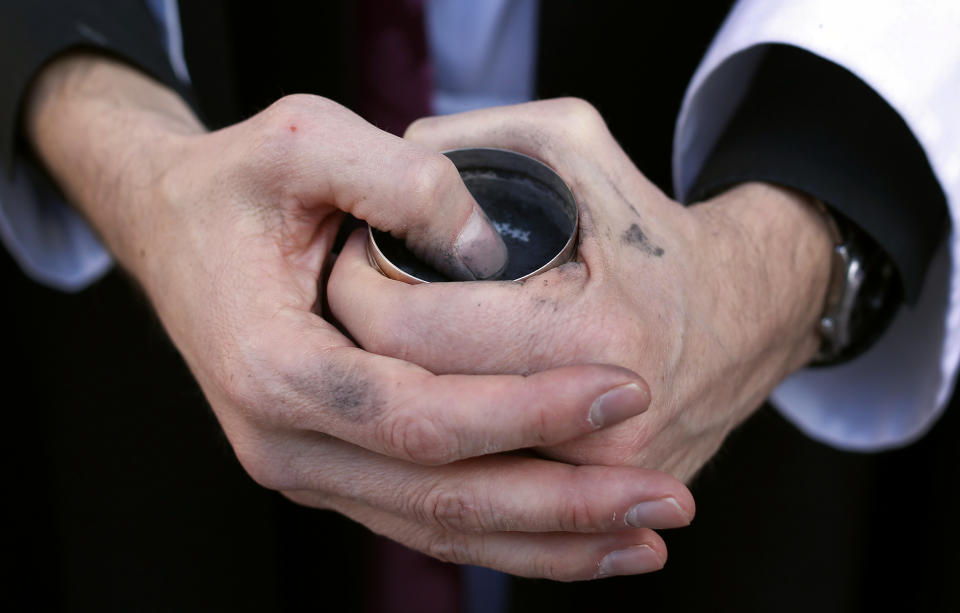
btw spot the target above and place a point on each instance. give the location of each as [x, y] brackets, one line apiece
[713, 304]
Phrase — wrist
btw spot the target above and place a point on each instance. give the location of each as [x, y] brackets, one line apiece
[107, 134]
[78, 80]
[776, 249]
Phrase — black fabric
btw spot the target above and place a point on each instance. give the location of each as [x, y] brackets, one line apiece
[126, 497]
[631, 60]
[32, 33]
[810, 124]
[245, 54]
[121, 491]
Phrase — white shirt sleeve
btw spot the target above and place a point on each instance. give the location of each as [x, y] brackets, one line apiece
[50, 241]
[909, 53]
[484, 53]
[55, 246]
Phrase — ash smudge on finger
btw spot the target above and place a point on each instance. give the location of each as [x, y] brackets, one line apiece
[635, 237]
[341, 391]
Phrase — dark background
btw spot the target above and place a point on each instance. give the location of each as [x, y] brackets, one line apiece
[125, 495]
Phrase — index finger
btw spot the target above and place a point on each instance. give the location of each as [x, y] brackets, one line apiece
[398, 409]
[330, 156]
[489, 327]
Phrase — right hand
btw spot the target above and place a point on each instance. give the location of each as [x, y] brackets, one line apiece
[715, 304]
[229, 232]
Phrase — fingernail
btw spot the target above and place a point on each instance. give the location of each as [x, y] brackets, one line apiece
[663, 513]
[617, 405]
[630, 561]
[480, 248]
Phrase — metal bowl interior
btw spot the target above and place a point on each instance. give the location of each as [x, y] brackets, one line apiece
[531, 207]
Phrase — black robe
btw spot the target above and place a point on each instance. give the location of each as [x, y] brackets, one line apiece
[126, 496]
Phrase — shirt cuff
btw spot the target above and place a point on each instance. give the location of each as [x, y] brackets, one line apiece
[893, 393]
[50, 241]
[809, 124]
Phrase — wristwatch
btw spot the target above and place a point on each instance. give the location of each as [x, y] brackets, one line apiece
[863, 294]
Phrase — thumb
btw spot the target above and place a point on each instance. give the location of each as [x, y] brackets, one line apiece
[426, 203]
[416, 194]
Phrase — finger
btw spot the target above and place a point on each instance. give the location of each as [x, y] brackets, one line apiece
[463, 327]
[558, 556]
[332, 156]
[495, 493]
[399, 409]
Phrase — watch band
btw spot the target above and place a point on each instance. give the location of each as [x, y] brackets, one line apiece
[863, 294]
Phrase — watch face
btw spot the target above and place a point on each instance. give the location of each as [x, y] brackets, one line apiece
[880, 297]
[872, 293]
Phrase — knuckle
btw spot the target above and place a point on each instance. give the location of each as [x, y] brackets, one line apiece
[544, 422]
[314, 500]
[296, 107]
[580, 117]
[247, 379]
[273, 127]
[579, 516]
[263, 475]
[267, 467]
[453, 510]
[240, 392]
[576, 108]
[418, 128]
[416, 438]
[427, 177]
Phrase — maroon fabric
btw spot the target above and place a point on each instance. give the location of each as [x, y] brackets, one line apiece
[393, 68]
[404, 581]
[393, 88]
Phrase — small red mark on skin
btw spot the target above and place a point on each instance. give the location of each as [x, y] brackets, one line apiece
[293, 128]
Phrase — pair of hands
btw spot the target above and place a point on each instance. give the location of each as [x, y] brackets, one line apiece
[229, 232]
